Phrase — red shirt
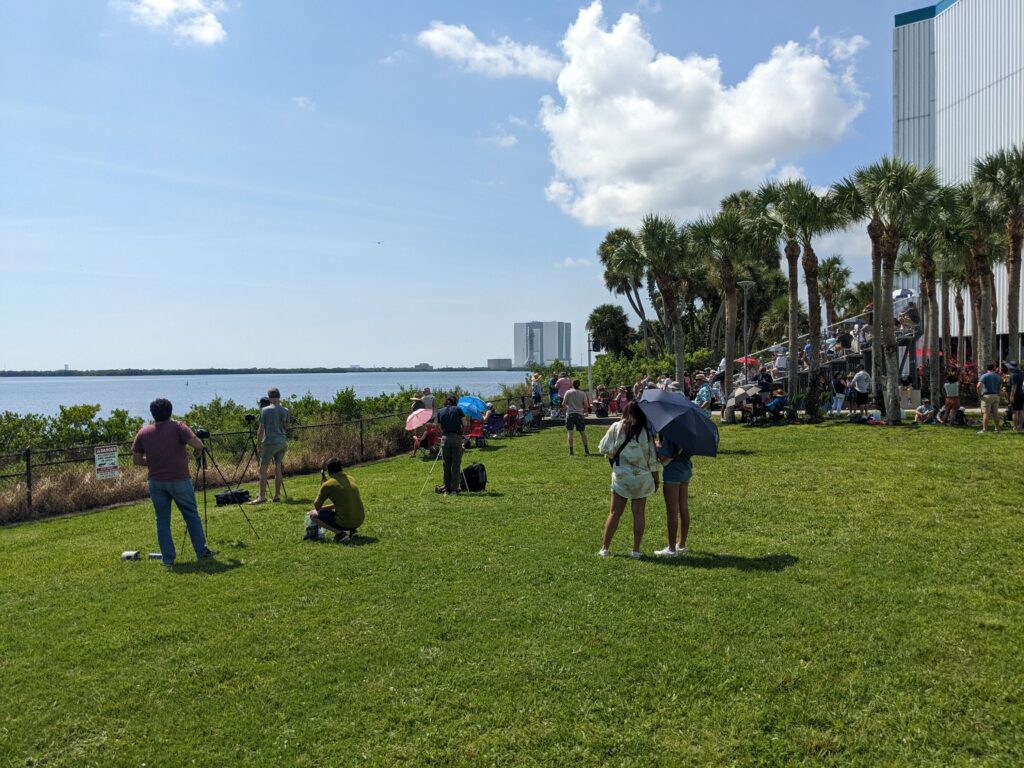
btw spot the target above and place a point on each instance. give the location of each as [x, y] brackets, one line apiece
[164, 443]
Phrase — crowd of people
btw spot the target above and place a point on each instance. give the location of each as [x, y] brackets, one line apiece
[636, 454]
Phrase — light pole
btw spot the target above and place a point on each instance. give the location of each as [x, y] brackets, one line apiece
[590, 348]
[746, 285]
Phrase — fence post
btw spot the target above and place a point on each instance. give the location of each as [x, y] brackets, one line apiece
[28, 476]
[361, 439]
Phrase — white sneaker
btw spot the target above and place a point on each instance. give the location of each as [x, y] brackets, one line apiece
[680, 551]
[603, 553]
[666, 552]
[635, 555]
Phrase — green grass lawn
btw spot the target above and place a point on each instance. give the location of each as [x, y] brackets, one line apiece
[852, 597]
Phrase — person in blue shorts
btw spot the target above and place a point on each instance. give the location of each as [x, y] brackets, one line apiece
[675, 477]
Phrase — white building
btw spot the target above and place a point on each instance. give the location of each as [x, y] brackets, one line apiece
[542, 343]
[958, 92]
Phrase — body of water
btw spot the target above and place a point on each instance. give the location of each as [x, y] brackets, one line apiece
[45, 394]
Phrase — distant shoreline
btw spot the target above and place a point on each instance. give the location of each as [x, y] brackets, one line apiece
[240, 371]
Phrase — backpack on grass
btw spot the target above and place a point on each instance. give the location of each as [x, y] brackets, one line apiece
[474, 478]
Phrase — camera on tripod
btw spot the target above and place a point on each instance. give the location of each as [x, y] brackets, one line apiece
[202, 433]
[250, 418]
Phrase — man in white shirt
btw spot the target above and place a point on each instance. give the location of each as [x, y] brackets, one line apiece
[862, 389]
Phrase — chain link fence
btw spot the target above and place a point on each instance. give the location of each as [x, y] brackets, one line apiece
[37, 483]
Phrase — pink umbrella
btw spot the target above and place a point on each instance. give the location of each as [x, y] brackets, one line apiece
[418, 418]
[747, 360]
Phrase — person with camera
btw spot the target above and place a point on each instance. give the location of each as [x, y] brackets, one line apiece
[274, 420]
[450, 418]
[160, 448]
[338, 507]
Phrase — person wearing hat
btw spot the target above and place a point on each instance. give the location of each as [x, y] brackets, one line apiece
[704, 392]
[428, 399]
[924, 413]
[1016, 387]
[535, 389]
[777, 405]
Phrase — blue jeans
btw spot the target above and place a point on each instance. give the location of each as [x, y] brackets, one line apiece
[184, 495]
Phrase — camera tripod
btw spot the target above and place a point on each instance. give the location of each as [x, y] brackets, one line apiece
[253, 450]
[201, 463]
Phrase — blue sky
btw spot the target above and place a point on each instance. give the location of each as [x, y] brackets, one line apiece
[252, 183]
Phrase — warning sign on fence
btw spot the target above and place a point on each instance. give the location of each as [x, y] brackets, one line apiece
[106, 462]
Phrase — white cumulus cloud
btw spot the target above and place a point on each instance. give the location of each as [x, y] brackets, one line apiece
[194, 21]
[500, 140]
[636, 130]
[304, 103]
[502, 59]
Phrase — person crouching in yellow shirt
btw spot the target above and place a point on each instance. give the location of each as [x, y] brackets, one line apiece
[338, 507]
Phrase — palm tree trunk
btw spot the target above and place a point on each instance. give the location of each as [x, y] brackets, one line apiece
[713, 331]
[875, 233]
[974, 296]
[983, 323]
[932, 324]
[830, 310]
[729, 279]
[678, 338]
[961, 320]
[890, 246]
[814, 315]
[947, 336]
[1015, 234]
[792, 255]
[995, 353]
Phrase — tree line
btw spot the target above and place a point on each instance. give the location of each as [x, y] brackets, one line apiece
[952, 235]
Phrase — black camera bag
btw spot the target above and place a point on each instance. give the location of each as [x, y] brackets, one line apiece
[238, 496]
[474, 478]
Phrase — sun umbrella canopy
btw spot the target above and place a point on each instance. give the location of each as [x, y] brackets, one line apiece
[472, 406]
[747, 360]
[741, 394]
[679, 420]
[903, 293]
[418, 418]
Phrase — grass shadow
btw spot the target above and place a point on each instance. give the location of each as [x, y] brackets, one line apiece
[209, 567]
[713, 560]
[358, 541]
[735, 452]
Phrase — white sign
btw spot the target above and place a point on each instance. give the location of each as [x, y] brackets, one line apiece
[106, 462]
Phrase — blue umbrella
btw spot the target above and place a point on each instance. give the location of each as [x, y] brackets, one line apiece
[473, 407]
[677, 419]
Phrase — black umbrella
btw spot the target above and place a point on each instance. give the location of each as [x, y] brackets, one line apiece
[677, 419]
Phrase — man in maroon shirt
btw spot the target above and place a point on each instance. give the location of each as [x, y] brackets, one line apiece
[160, 447]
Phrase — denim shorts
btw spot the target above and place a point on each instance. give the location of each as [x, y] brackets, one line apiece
[678, 471]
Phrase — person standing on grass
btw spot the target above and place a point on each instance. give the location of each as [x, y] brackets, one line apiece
[535, 389]
[450, 418]
[675, 475]
[576, 406]
[989, 385]
[629, 446]
[861, 389]
[160, 448]
[951, 404]
[1016, 387]
[273, 444]
[338, 507]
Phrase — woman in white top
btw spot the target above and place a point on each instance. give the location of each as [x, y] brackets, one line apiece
[629, 445]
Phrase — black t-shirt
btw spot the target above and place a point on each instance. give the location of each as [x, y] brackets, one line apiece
[450, 418]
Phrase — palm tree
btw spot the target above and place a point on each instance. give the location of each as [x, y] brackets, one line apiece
[609, 327]
[666, 258]
[924, 241]
[854, 300]
[979, 219]
[805, 214]
[857, 196]
[720, 240]
[889, 192]
[782, 229]
[833, 276]
[624, 271]
[774, 322]
[1002, 175]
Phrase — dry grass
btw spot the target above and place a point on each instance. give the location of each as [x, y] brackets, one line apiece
[70, 488]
